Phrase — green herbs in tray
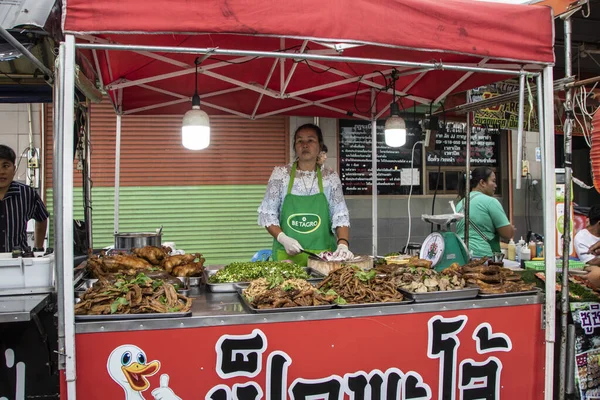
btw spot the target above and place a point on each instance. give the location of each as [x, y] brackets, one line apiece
[248, 271]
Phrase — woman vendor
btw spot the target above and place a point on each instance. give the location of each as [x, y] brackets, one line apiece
[304, 206]
[488, 222]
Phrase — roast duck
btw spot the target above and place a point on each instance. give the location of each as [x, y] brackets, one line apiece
[147, 259]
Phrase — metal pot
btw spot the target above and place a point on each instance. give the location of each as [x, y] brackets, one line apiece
[126, 241]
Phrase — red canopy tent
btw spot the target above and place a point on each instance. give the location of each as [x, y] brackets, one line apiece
[438, 37]
[307, 57]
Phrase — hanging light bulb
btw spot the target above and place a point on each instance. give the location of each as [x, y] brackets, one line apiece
[195, 129]
[395, 126]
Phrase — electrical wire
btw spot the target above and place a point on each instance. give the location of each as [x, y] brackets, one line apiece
[412, 160]
[437, 182]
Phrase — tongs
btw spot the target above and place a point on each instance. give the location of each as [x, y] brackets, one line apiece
[313, 254]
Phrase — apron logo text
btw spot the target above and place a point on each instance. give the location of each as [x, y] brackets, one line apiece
[304, 223]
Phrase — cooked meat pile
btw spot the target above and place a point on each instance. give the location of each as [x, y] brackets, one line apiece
[356, 286]
[420, 279]
[140, 295]
[144, 259]
[493, 279]
[263, 294]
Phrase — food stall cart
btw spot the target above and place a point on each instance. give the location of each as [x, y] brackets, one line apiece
[412, 351]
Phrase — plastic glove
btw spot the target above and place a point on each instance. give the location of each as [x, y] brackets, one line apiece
[343, 252]
[291, 245]
[164, 392]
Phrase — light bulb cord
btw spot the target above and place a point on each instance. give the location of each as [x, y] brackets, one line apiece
[197, 62]
[412, 159]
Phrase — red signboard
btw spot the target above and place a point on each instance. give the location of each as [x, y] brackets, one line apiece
[488, 353]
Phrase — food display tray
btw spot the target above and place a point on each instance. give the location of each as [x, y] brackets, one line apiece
[191, 281]
[461, 294]
[240, 287]
[230, 287]
[365, 305]
[511, 294]
[88, 283]
[120, 317]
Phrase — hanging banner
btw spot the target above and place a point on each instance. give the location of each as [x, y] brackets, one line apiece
[394, 173]
[586, 317]
[503, 116]
[450, 147]
[464, 354]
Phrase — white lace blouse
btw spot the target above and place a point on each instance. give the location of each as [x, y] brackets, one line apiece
[305, 184]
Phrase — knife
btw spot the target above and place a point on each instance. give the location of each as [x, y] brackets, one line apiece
[313, 254]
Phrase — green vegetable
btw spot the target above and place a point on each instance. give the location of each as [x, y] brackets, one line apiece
[118, 302]
[157, 283]
[338, 299]
[365, 276]
[248, 271]
[288, 286]
[163, 299]
[141, 279]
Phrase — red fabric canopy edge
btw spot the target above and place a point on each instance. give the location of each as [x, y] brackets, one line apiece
[497, 31]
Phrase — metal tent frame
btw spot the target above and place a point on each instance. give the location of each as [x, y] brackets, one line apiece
[63, 173]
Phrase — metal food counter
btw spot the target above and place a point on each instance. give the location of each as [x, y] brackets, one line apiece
[223, 309]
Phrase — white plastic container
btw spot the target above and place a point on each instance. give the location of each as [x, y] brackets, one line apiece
[26, 273]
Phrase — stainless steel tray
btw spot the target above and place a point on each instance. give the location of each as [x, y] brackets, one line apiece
[88, 283]
[461, 294]
[511, 294]
[239, 289]
[231, 286]
[119, 317]
[190, 281]
[362, 305]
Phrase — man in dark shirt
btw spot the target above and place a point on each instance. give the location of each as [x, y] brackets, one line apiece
[18, 204]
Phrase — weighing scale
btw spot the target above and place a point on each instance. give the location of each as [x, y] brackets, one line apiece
[444, 247]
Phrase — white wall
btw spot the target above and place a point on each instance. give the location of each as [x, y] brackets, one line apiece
[14, 132]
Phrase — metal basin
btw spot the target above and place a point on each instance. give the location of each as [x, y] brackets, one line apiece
[127, 241]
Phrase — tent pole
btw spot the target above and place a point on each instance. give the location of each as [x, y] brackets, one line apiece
[549, 227]
[87, 175]
[566, 245]
[57, 186]
[468, 174]
[117, 171]
[66, 205]
[374, 170]
[520, 131]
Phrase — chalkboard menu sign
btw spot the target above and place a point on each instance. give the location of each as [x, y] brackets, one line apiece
[451, 147]
[394, 175]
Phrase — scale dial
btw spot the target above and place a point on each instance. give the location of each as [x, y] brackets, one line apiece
[433, 248]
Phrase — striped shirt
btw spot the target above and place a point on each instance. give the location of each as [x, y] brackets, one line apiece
[20, 204]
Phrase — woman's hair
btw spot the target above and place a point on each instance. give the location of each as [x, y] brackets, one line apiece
[317, 131]
[478, 174]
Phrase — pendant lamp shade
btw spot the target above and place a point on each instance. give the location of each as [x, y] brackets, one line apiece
[195, 129]
[395, 131]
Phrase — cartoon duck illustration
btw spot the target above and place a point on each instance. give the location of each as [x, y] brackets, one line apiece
[129, 367]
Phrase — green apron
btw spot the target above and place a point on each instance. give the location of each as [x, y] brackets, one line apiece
[306, 219]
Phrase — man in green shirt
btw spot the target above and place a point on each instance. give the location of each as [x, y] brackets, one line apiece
[486, 213]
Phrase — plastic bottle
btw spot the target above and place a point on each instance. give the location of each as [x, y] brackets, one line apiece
[511, 250]
[526, 253]
[519, 248]
[533, 249]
